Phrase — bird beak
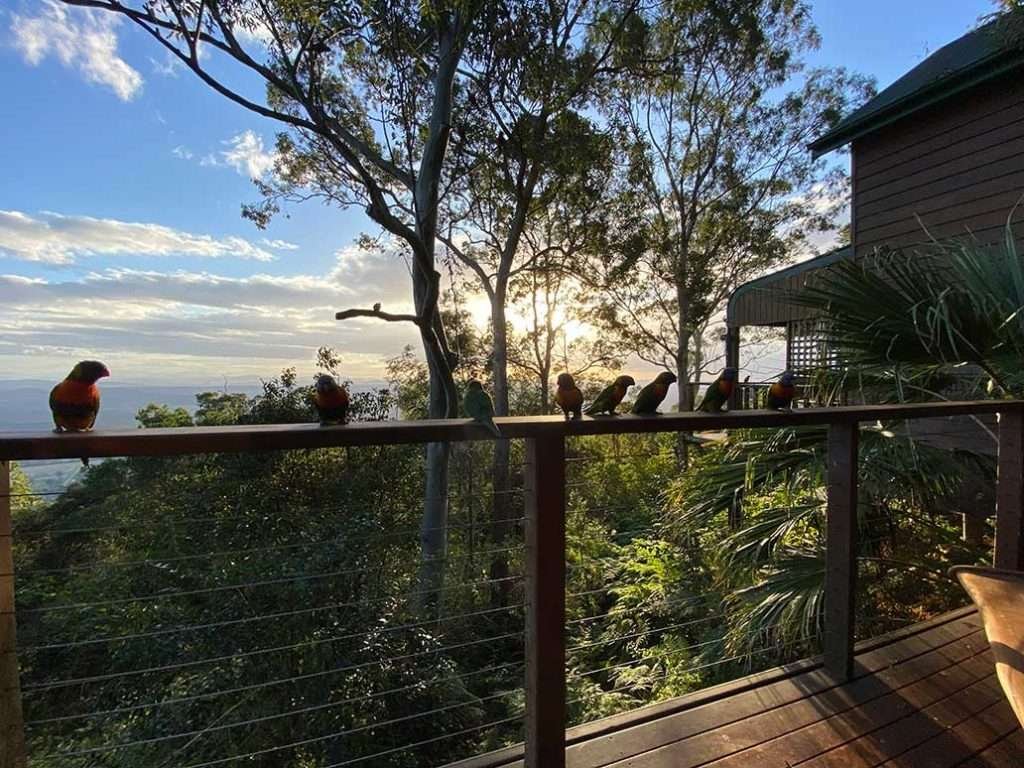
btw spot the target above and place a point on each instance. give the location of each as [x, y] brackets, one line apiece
[106, 373]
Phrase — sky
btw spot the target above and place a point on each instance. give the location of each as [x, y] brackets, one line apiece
[120, 195]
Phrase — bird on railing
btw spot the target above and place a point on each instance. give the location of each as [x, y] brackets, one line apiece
[75, 402]
[479, 407]
[610, 396]
[782, 392]
[568, 397]
[331, 401]
[718, 392]
[653, 394]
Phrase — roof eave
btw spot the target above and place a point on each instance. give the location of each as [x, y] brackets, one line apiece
[821, 260]
[941, 90]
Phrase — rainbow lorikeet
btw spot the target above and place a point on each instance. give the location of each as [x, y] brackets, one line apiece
[782, 392]
[331, 401]
[650, 397]
[75, 402]
[479, 407]
[611, 396]
[718, 393]
[568, 397]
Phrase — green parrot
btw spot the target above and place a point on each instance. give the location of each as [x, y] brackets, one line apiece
[650, 397]
[477, 405]
[610, 397]
[719, 391]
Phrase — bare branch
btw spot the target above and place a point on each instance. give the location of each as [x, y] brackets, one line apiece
[348, 314]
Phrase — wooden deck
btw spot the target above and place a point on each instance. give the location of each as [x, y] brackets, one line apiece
[925, 697]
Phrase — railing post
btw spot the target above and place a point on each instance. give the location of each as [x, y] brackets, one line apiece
[841, 549]
[545, 602]
[1010, 491]
[732, 360]
[12, 727]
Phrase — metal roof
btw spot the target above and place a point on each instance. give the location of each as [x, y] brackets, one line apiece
[977, 56]
[773, 289]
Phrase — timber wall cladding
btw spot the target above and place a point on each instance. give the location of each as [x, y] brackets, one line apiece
[957, 166]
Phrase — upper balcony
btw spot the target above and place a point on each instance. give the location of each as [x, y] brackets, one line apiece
[258, 621]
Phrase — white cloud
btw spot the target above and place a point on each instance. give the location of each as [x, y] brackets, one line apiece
[371, 275]
[279, 245]
[183, 152]
[247, 155]
[258, 33]
[169, 67]
[80, 38]
[206, 323]
[57, 239]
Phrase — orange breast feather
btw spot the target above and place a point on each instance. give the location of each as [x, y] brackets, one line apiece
[74, 404]
[569, 398]
[334, 399]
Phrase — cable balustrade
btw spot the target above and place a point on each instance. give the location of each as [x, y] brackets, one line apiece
[282, 633]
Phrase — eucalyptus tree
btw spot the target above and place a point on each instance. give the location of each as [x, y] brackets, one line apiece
[554, 300]
[365, 93]
[528, 146]
[718, 185]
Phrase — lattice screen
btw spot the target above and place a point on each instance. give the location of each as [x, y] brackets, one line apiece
[807, 347]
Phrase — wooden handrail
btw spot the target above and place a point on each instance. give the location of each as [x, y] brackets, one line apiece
[267, 437]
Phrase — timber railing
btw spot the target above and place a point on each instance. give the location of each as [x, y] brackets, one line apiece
[544, 490]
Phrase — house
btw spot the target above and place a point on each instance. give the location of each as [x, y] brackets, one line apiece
[939, 152]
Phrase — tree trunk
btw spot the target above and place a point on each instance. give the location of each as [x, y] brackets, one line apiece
[501, 476]
[426, 294]
[434, 524]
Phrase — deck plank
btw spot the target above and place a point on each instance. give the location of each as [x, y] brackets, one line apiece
[803, 743]
[711, 746]
[1008, 752]
[963, 740]
[908, 733]
[933, 683]
[741, 708]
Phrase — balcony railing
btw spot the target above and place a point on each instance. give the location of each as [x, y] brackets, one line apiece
[544, 489]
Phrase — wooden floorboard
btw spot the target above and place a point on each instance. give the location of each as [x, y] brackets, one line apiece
[1007, 752]
[754, 731]
[898, 693]
[962, 740]
[925, 696]
[909, 733]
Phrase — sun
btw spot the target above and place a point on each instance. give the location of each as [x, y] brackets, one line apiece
[521, 319]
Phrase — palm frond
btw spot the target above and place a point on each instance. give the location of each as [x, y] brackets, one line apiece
[938, 306]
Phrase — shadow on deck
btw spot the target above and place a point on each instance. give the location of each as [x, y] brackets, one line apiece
[926, 695]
